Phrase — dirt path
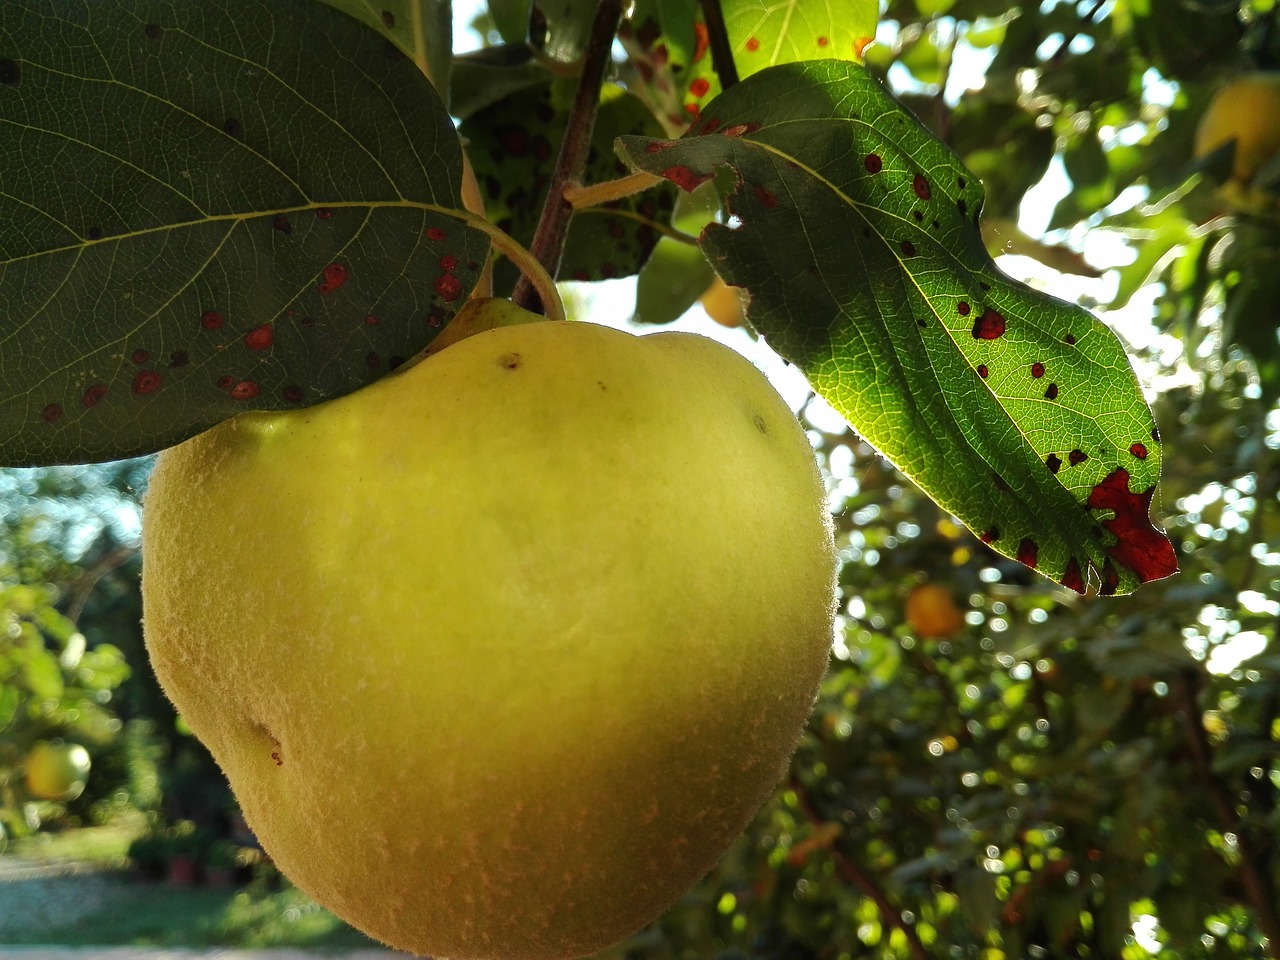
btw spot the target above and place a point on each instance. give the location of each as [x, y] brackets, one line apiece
[40, 894]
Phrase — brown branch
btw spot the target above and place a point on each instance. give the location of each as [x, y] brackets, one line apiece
[547, 245]
[718, 42]
[1252, 877]
[84, 584]
[852, 872]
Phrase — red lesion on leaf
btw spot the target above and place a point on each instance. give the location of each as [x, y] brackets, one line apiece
[753, 45]
[1139, 450]
[93, 395]
[767, 197]
[435, 234]
[684, 178]
[147, 381]
[989, 326]
[140, 357]
[700, 41]
[1139, 545]
[448, 262]
[873, 163]
[740, 129]
[1077, 457]
[211, 320]
[245, 390]
[921, 186]
[52, 413]
[1028, 552]
[699, 87]
[861, 44]
[823, 41]
[990, 535]
[448, 286]
[333, 277]
[260, 338]
[1072, 579]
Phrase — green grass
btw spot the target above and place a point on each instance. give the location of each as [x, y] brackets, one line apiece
[162, 916]
[106, 845]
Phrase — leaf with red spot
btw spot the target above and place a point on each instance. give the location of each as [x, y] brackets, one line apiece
[513, 148]
[766, 35]
[236, 204]
[854, 232]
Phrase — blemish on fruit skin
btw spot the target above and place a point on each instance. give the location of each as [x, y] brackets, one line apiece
[211, 320]
[1139, 450]
[1139, 545]
[1051, 392]
[1028, 552]
[921, 186]
[509, 361]
[873, 163]
[1072, 578]
[260, 338]
[448, 287]
[435, 234]
[684, 178]
[93, 395]
[990, 535]
[246, 390]
[1053, 462]
[147, 381]
[989, 326]
[52, 413]
[334, 276]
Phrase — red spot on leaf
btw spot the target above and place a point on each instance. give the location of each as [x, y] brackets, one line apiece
[211, 320]
[767, 197]
[753, 45]
[700, 40]
[1072, 578]
[448, 262]
[281, 224]
[93, 395]
[684, 178]
[435, 234]
[989, 326]
[658, 146]
[740, 129]
[51, 413]
[963, 308]
[908, 248]
[514, 141]
[147, 381]
[292, 393]
[861, 44]
[225, 382]
[921, 186]
[1139, 545]
[699, 87]
[1053, 462]
[982, 370]
[333, 277]
[1077, 457]
[260, 338]
[448, 286]
[1051, 392]
[990, 535]
[140, 357]
[324, 213]
[1139, 450]
[245, 390]
[1069, 339]
[1110, 579]
[709, 125]
[1037, 370]
[823, 41]
[873, 163]
[1028, 552]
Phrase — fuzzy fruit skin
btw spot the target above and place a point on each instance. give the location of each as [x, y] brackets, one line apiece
[57, 771]
[1248, 111]
[500, 653]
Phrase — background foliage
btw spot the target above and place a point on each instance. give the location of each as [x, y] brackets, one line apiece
[1059, 777]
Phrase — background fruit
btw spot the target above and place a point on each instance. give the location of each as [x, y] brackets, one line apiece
[532, 627]
[723, 304]
[57, 771]
[1248, 111]
[931, 611]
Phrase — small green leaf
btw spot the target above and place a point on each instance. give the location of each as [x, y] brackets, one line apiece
[855, 232]
[202, 218]
[677, 274]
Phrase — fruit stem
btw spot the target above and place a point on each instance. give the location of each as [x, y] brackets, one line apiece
[553, 226]
[718, 40]
[578, 196]
[531, 270]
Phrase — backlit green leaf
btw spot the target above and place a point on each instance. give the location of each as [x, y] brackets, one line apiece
[1017, 412]
[421, 29]
[208, 208]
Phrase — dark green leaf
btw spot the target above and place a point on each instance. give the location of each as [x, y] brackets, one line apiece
[561, 28]
[511, 17]
[1017, 412]
[202, 218]
[421, 29]
[514, 145]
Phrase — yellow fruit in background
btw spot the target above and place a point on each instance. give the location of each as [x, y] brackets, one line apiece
[57, 771]
[1246, 110]
[931, 611]
[502, 652]
[723, 304]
